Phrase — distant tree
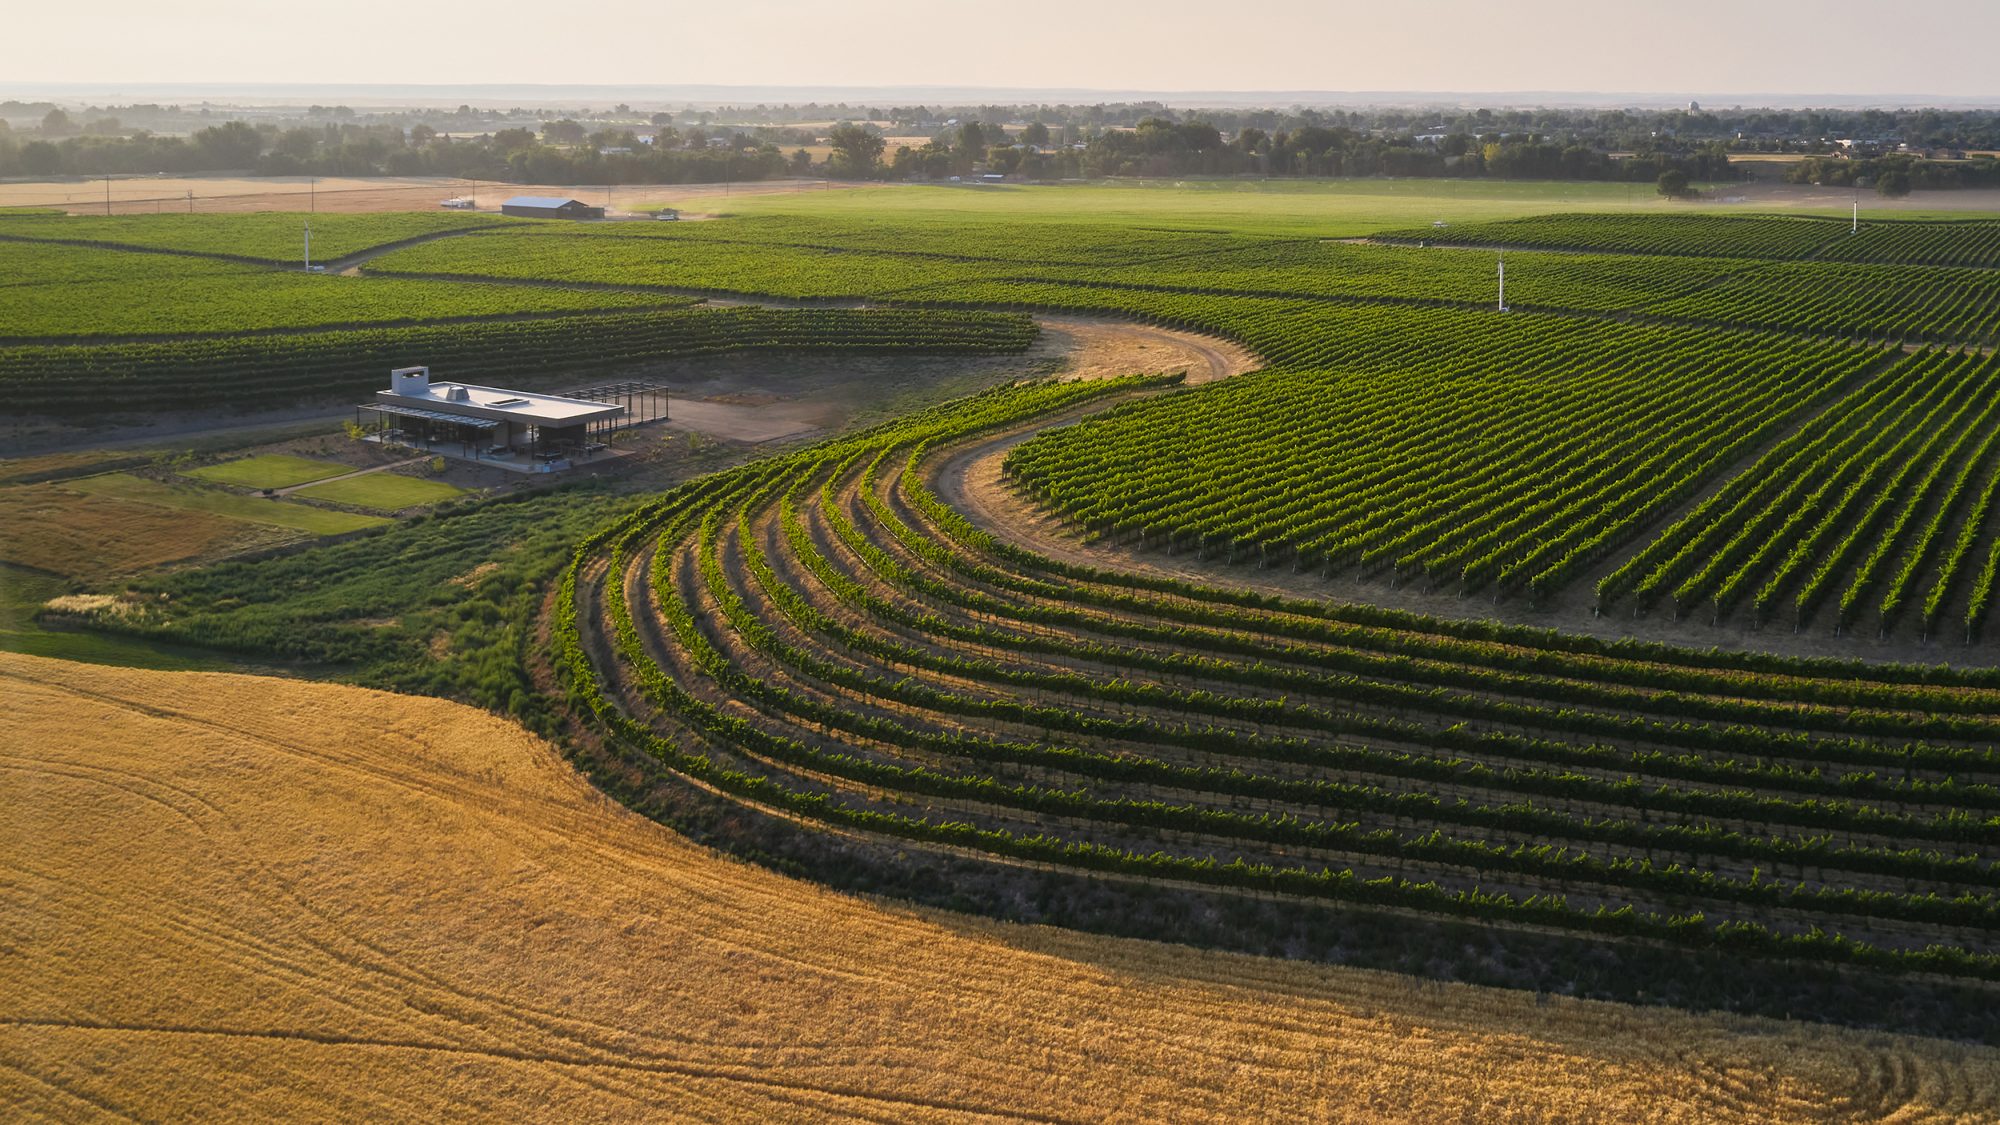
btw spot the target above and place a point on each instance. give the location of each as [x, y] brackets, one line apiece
[1673, 184]
[40, 158]
[232, 144]
[297, 144]
[510, 141]
[56, 123]
[1199, 136]
[802, 162]
[1036, 134]
[857, 151]
[564, 132]
[1893, 184]
[662, 120]
[971, 141]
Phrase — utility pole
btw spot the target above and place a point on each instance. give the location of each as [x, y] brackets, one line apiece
[190, 201]
[309, 246]
[1503, 283]
[312, 196]
[107, 193]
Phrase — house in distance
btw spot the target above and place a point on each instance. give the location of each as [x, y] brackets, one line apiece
[550, 207]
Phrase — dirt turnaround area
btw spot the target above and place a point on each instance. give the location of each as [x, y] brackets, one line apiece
[226, 896]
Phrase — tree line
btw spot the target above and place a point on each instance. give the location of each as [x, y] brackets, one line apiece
[1159, 147]
[564, 152]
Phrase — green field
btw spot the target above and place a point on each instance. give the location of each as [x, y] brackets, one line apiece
[1330, 209]
[1901, 241]
[263, 237]
[1337, 209]
[58, 291]
[269, 470]
[384, 492]
[277, 513]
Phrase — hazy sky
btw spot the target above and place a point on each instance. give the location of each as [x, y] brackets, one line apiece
[1946, 47]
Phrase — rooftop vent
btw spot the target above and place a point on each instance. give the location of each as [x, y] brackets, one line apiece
[514, 401]
[456, 394]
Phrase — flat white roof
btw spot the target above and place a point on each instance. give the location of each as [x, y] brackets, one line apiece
[505, 405]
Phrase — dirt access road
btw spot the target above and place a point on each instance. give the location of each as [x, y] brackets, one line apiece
[1084, 347]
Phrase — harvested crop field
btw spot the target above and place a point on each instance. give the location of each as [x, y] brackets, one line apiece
[256, 898]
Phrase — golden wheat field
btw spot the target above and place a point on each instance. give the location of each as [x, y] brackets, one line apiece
[230, 897]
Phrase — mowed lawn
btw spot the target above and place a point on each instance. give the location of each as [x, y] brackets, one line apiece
[384, 492]
[270, 470]
[277, 513]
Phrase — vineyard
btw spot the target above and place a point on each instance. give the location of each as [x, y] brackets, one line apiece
[818, 635]
[1877, 302]
[258, 371]
[73, 292]
[266, 237]
[784, 258]
[1882, 510]
[1962, 242]
[1390, 441]
[1404, 431]
[1406, 452]
[1154, 273]
[1133, 708]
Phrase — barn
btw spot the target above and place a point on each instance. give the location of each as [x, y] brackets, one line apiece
[550, 207]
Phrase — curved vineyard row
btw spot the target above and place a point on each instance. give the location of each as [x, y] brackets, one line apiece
[1876, 508]
[819, 635]
[1411, 453]
[273, 370]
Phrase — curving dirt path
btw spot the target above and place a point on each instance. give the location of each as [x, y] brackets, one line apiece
[266, 899]
[1105, 347]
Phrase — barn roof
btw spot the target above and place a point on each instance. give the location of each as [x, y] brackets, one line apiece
[540, 201]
